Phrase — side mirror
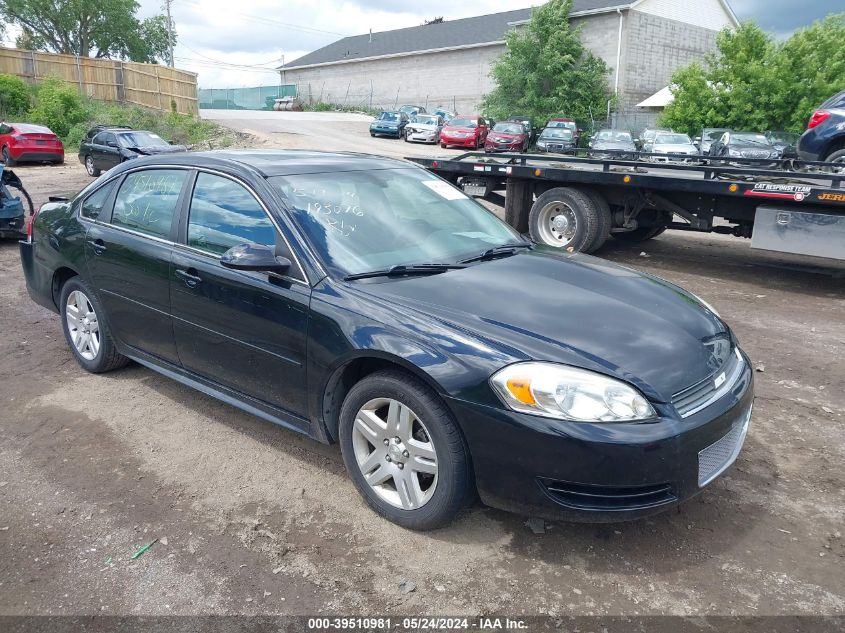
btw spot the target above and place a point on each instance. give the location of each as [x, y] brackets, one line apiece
[254, 257]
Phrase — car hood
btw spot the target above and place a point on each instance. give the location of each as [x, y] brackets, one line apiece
[573, 309]
[671, 148]
[468, 130]
[385, 123]
[428, 127]
[613, 145]
[508, 136]
[556, 141]
[152, 151]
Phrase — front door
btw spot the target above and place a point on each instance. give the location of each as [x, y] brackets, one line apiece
[128, 253]
[106, 153]
[244, 330]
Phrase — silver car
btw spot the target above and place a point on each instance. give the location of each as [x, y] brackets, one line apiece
[424, 128]
[679, 148]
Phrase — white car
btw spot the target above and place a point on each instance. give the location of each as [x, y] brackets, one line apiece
[424, 128]
[679, 148]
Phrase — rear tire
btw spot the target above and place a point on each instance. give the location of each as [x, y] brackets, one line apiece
[566, 217]
[8, 161]
[86, 330]
[839, 158]
[605, 220]
[90, 168]
[429, 440]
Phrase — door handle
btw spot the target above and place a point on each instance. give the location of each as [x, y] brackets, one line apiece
[98, 245]
[189, 276]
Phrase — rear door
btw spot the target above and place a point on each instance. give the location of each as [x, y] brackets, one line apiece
[128, 250]
[244, 330]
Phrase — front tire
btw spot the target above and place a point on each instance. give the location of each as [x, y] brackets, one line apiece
[404, 451]
[566, 217]
[85, 329]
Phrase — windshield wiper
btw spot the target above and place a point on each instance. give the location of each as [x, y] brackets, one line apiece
[498, 251]
[401, 270]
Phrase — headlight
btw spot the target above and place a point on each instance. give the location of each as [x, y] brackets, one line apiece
[734, 153]
[568, 393]
[541, 144]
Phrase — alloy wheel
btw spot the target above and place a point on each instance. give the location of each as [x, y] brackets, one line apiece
[83, 325]
[395, 453]
[89, 165]
[557, 224]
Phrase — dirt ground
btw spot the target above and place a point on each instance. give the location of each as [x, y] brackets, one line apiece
[251, 518]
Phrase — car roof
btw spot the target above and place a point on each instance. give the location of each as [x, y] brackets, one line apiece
[31, 127]
[277, 162]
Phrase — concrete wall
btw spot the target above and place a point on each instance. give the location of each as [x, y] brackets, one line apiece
[454, 79]
[654, 48]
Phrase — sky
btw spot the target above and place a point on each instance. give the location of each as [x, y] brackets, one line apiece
[237, 44]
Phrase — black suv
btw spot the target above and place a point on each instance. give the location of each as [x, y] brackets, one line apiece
[824, 139]
[104, 147]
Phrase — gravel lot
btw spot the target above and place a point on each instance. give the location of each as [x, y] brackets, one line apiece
[251, 518]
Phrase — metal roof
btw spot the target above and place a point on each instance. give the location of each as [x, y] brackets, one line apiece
[451, 34]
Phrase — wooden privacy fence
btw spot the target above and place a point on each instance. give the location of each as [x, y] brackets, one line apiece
[147, 85]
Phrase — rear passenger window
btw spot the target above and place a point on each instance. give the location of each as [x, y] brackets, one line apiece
[224, 214]
[93, 205]
[147, 200]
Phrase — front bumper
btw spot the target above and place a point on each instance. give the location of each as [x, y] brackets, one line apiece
[556, 149]
[458, 142]
[422, 137]
[397, 133]
[501, 147]
[598, 473]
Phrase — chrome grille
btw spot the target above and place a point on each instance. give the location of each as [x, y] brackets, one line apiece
[701, 394]
[715, 459]
[754, 153]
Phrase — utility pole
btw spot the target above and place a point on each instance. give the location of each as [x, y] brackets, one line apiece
[167, 4]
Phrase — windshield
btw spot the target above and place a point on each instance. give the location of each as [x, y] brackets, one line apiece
[560, 132]
[749, 139]
[567, 124]
[783, 137]
[141, 139]
[614, 136]
[713, 135]
[424, 119]
[463, 123]
[509, 128]
[388, 116]
[360, 221]
[672, 139]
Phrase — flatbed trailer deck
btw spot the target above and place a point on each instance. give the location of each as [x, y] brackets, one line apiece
[579, 202]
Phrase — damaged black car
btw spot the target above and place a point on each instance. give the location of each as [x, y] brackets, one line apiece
[105, 147]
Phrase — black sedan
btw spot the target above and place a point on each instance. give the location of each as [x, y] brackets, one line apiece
[744, 149]
[610, 143]
[106, 147]
[364, 301]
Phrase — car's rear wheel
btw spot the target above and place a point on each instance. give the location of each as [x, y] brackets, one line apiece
[404, 451]
[90, 168]
[85, 329]
[8, 161]
[838, 158]
[567, 218]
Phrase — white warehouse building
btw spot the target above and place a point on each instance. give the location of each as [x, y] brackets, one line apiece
[448, 64]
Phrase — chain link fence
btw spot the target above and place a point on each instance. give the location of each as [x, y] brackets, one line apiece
[256, 98]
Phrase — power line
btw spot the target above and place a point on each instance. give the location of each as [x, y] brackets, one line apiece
[207, 64]
[264, 19]
[220, 61]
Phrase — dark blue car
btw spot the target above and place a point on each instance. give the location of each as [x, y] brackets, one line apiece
[389, 124]
[824, 139]
[365, 302]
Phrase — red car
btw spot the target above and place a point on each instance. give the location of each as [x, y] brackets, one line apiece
[464, 131]
[21, 142]
[507, 136]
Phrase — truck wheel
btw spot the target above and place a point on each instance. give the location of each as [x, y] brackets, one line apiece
[605, 220]
[565, 217]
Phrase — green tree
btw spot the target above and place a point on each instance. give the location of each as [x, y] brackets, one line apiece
[753, 82]
[58, 105]
[101, 28]
[546, 70]
[14, 96]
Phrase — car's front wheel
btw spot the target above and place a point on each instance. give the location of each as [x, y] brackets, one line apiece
[404, 451]
[86, 332]
[90, 168]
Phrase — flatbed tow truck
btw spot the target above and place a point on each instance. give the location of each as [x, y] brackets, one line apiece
[579, 202]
